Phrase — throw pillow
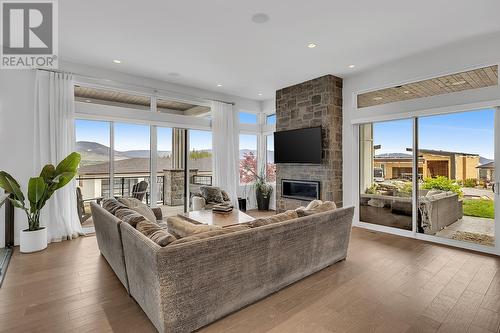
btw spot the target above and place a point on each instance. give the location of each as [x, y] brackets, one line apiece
[288, 215]
[139, 207]
[112, 205]
[130, 216]
[314, 204]
[225, 196]
[323, 207]
[180, 227]
[156, 233]
[211, 194]
[213, 233]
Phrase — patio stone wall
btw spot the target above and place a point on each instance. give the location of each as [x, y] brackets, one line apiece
[317, 102]
[173, 186]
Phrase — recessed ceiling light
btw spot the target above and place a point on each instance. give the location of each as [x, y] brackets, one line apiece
[458, 83]
[311, 45]
[117, 61]
[260, 94]
[88, 100]
[352, 66]
[377, 98]
[260, 18]
[219, 85]
[406, 91]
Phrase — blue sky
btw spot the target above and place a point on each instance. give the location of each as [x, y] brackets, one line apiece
[469, 132]
[136, 137]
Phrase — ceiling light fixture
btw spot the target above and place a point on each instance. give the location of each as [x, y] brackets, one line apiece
[117, 61]
[406, 91]
[458, 83]
[88, 100]
[219, 85]
[377, 98]
[260, 94]
[260, 18]
[352, 66]
[311, 45]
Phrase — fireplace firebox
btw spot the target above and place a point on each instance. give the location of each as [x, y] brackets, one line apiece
[300, 189]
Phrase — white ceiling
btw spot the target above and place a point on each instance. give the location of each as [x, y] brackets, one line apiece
[215, 41]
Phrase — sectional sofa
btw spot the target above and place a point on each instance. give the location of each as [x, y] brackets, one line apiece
[184, 286]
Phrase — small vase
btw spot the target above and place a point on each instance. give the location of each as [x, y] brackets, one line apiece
[33, 241]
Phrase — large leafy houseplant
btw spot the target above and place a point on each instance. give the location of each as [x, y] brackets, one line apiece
[263, 190]
[40, 188]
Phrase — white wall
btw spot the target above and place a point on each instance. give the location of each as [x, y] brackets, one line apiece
[16, 134]
[452, 58]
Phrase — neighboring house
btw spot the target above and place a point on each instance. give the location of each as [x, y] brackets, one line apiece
[487, 171]
[431, 163]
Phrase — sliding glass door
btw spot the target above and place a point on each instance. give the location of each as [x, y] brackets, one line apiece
[456, 198]
[432, 175]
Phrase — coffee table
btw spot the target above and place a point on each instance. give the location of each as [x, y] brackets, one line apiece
[220, 219]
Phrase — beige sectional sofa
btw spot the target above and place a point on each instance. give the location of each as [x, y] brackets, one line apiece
[185, 286]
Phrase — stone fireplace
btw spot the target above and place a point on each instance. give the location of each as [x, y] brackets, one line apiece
[312, 103]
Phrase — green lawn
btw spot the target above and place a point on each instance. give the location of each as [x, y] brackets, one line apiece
[479, 208]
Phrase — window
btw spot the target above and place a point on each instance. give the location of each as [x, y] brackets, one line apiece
[248, 158]
[112, 98]
[271, 119]
[386, 169]
[132, 161]
[200, 158]
[248, 118]
[270, 166]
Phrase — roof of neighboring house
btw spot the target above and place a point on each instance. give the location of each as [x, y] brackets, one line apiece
[489, 165]
[140, 166]
[442, 152]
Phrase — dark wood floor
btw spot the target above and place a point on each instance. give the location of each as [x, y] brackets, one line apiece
[387, 284]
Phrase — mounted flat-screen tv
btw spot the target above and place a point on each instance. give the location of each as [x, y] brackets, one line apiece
[298, 146]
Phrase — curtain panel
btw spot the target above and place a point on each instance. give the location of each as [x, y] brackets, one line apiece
[225, 159]
[54, 135]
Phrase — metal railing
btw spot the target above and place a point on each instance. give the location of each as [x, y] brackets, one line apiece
[122, 186]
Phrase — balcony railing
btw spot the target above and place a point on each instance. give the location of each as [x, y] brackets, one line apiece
[94, 187]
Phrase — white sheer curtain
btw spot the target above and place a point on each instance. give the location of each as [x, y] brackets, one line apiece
[54, 140]
[225, 149]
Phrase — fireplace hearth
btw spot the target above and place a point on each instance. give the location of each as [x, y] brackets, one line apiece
[300, 189]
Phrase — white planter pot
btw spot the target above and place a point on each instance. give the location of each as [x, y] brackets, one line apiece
[33, 241]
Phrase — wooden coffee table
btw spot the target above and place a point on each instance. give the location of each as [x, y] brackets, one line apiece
[222, 220]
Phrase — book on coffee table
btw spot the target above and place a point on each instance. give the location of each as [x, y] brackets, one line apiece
[222, 208]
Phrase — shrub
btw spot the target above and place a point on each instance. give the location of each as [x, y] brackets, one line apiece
[443, 184]
[470, 182]
[372, 189]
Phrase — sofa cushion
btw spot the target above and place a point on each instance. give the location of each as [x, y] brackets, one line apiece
[180, 227]
[288, 215]
[318, 207]
[139, 207]
[130, 216]
[112, 205]
[155, 232]
[212, 194]
[212, 233]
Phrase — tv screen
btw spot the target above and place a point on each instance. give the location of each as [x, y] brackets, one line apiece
[298, 146]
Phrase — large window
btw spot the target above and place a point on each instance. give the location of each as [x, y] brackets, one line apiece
[270, 166]
[248, 158]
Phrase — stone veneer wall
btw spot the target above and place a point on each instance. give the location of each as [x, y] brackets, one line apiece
[313, 103]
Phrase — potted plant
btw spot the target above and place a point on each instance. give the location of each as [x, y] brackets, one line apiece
[40, 189]
[263, 190]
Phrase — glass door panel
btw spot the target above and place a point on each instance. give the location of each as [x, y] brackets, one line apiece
[386, 169]
[132, 158]
[455, 197]
[199, 160]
